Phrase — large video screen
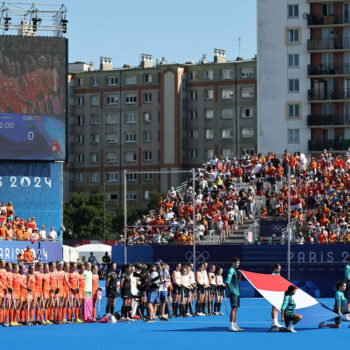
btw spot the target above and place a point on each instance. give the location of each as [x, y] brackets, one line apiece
[33, 82]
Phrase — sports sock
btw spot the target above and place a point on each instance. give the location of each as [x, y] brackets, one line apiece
[166, 309]
[76, 312]
[37, 315]
[191, 308]
[123, 311]
[175, 306]
[111, 308]
[31, 315]
[69, 314]
[197, 307]
[11, 314]
[94, 312]
[134, 308]
[23, 316]
[219, 307]
[186, 308]
[107, 309]
[1, 315]
[51, 313]
[7, 313]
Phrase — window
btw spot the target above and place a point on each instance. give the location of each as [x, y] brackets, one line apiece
[247, 112]
[209, 134]
[130, 79]
[111, 100]
[111, 138]
[80, 158]
[112, 176]
[293, 136]
[193, 75]
[247, 132]
[293, 60]
[79, 120]
[147, 177]
[111, 157]
[293, 11]
[111, 119]
[247, 73]
[293, 85]
[194, 134]
[293, 36]
[79, 101]
[94, 100]
[130, 156]
[131, 195]
[94, 177]
[130, 99]
[94, 157]
[147, 136]
[293, 110]
[112, 80]
[94, 119]
[79, 139]
[131, 177]
[226, 94]
[80, 178]
[193, 154]
[227, 152]
[247, 92]
[193, 114]
[147, 97]
[209, 114]
[208, 75]
[327, 10]
[94, 81]
[147, 78]
[226, 134]
[130, 118]
[209, 153]
[95, 139]
[147, 155]
[147, 195]
[78, 82]
[226, 113]
[112, 196]
[130, 137]
[208, 94]
[147, 117]
[226, 73]
[193, 94]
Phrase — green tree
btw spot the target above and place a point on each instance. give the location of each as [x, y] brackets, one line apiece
[84, 216]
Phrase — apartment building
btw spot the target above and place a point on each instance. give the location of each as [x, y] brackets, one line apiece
[303, 75]
[155, 117]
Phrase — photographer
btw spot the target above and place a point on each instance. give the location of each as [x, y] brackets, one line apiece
[153, 282]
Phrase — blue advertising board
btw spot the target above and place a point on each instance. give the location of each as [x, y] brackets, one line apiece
[35, 190]
[314, 268]
[42, 251]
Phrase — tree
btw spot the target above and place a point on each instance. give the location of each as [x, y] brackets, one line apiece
[84, 216]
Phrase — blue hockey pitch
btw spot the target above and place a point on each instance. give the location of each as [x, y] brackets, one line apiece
[205, 333]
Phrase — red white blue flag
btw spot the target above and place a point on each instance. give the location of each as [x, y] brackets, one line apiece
[272, 288]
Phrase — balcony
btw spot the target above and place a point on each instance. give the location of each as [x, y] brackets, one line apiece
[314, 20]
[323, 94]
[329, 69]
[328, 44]
[317, 120]
[330, 145]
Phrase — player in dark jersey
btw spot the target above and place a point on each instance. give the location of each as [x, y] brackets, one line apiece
[111, 289]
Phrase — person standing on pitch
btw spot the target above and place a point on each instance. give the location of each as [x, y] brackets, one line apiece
[347, 281]
[276, 269]
[232, 282]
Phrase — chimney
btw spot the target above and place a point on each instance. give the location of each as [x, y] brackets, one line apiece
[105, 63]
[219, 56]
[163, 61]
[146, 60]
[204, 59]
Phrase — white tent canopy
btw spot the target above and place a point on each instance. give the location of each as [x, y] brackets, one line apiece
[98, 250]
[70, 253]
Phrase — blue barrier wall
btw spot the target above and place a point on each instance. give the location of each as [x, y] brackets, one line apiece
[35, 189]
[42, 251]
[315, 268]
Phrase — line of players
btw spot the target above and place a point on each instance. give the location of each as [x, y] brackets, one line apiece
[45, 294]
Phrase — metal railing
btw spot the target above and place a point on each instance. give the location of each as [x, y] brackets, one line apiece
[328, 44]
[314, 120]
[328, 69]
[326, 94]
[254, 229]
[314, 20]
[336, 145]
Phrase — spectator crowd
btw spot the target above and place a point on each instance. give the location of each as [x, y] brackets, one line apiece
[228, 192]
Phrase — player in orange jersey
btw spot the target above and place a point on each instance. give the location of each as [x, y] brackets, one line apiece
[81, 289]
[73, 284]
[3, 290]
[39, 311]
[95, 288]
[54, 290]
[16, 294]
[60, 295]
[24, 295]
[46, 293]
[31, 291]
[66, 292]
[9, 312]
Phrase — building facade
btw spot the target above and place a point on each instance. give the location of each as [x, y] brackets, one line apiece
[155, 117]
[303, 75]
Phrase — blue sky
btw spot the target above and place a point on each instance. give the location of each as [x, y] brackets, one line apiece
[181, 30]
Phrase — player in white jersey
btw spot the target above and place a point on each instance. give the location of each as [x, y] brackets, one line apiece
[212, 289]
[194, 287]
[220, 288]
[207, 289]
[185, 291]
[201, 278]
[176, 275]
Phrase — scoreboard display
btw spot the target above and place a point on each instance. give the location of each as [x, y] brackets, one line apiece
[33, 82]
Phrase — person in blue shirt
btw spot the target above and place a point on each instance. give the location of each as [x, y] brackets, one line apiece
[92, 259]
[288, 316]
[340, 306]
[276, 270]
[347, 281]
[232, 282]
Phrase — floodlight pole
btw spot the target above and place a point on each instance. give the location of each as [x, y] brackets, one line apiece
[194, 219]
[125, 222]
[289, 228]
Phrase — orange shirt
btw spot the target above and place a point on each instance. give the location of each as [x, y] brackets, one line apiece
[60, 275]
[39, 281]
[31, 282]
[16, 282]
[28, 255]
[95, 280]
[73, 279]
[2, 232]
[81, 282]
[3, 274]
[9, 279]
[53, 280]
[46, 281]
[24, 284]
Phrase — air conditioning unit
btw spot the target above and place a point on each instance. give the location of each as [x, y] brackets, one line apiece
[26, 29]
